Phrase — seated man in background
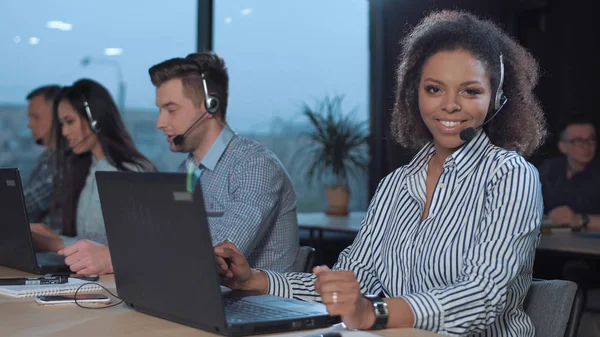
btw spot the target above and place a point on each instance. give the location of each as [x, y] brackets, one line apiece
[571, 191]
[38, 191]
[571, 183]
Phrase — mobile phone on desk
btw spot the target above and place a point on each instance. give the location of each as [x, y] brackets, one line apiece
[89, 278]
[85, 299]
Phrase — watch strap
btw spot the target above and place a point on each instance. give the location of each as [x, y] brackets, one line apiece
[381, 312]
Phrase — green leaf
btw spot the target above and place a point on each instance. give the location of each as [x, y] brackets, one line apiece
[337, 143]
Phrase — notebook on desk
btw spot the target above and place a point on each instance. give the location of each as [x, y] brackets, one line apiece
[164, 263]
[49, 289]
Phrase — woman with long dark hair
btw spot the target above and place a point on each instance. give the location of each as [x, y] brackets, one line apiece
[90, 137]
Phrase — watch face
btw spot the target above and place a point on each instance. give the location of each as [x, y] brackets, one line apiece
[380, 310]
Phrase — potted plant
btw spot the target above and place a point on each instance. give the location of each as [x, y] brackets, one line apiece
[336, 148]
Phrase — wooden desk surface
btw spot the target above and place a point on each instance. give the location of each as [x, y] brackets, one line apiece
[23, 317]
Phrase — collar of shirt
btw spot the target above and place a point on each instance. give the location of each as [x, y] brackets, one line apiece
[464, 159]
[215, 152]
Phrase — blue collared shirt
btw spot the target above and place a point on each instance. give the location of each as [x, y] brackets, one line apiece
[466, 268]
[249, 199]
[213, 155]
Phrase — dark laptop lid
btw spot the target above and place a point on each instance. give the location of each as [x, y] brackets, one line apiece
[16, 246]
[145, 215]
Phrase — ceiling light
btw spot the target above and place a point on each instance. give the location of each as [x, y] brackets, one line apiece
[228, 20]
[59, 25]
[113, 51]
[247, 11]
[34, 40]
[17, 39]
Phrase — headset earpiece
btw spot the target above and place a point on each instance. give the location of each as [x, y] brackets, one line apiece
[500, 98]
[88, 112]
[211, 102]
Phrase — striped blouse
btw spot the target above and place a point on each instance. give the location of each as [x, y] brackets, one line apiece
[466, 268]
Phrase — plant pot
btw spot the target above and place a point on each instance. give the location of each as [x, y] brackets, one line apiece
[338, 197]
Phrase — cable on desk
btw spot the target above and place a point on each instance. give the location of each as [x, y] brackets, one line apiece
[96, 307]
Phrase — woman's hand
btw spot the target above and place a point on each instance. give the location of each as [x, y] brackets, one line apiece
[235, 271]
[340, 292]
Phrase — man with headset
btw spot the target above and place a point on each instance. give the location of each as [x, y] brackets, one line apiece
[248, 194]
[249, 197]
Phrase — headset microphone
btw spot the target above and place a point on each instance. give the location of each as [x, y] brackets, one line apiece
[40, 140]
[469, 133]
[69, 150]
[178, 140]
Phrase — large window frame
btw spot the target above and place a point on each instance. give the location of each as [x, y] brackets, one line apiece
[205, 43]
[205, 25]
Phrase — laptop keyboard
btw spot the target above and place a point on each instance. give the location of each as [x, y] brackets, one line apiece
[238, 310]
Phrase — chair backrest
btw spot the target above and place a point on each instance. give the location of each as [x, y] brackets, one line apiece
[554, 307]
[304, 259]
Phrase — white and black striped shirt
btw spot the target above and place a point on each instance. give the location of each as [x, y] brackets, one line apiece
[466, 268]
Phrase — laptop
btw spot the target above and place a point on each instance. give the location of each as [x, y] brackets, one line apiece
[16, 245]
[164, 263]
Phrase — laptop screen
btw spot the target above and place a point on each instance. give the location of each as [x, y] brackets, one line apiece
[161, 248]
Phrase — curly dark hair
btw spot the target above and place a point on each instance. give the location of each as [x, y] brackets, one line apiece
[520, 126]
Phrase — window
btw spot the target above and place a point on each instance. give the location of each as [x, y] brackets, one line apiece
[281, 54]
[113, 42]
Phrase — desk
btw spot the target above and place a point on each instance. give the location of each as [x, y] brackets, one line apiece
[23, 317]
[557, 241]
[570, 243]
[321, 222]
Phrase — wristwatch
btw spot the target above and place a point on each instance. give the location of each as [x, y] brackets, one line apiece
[585, 220]
[381, 312]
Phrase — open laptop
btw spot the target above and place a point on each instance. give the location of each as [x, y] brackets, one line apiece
[164, 263]
[16, 246]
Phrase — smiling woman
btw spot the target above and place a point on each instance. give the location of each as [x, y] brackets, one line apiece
[454, 94]
[448, 241]
[490, 67]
